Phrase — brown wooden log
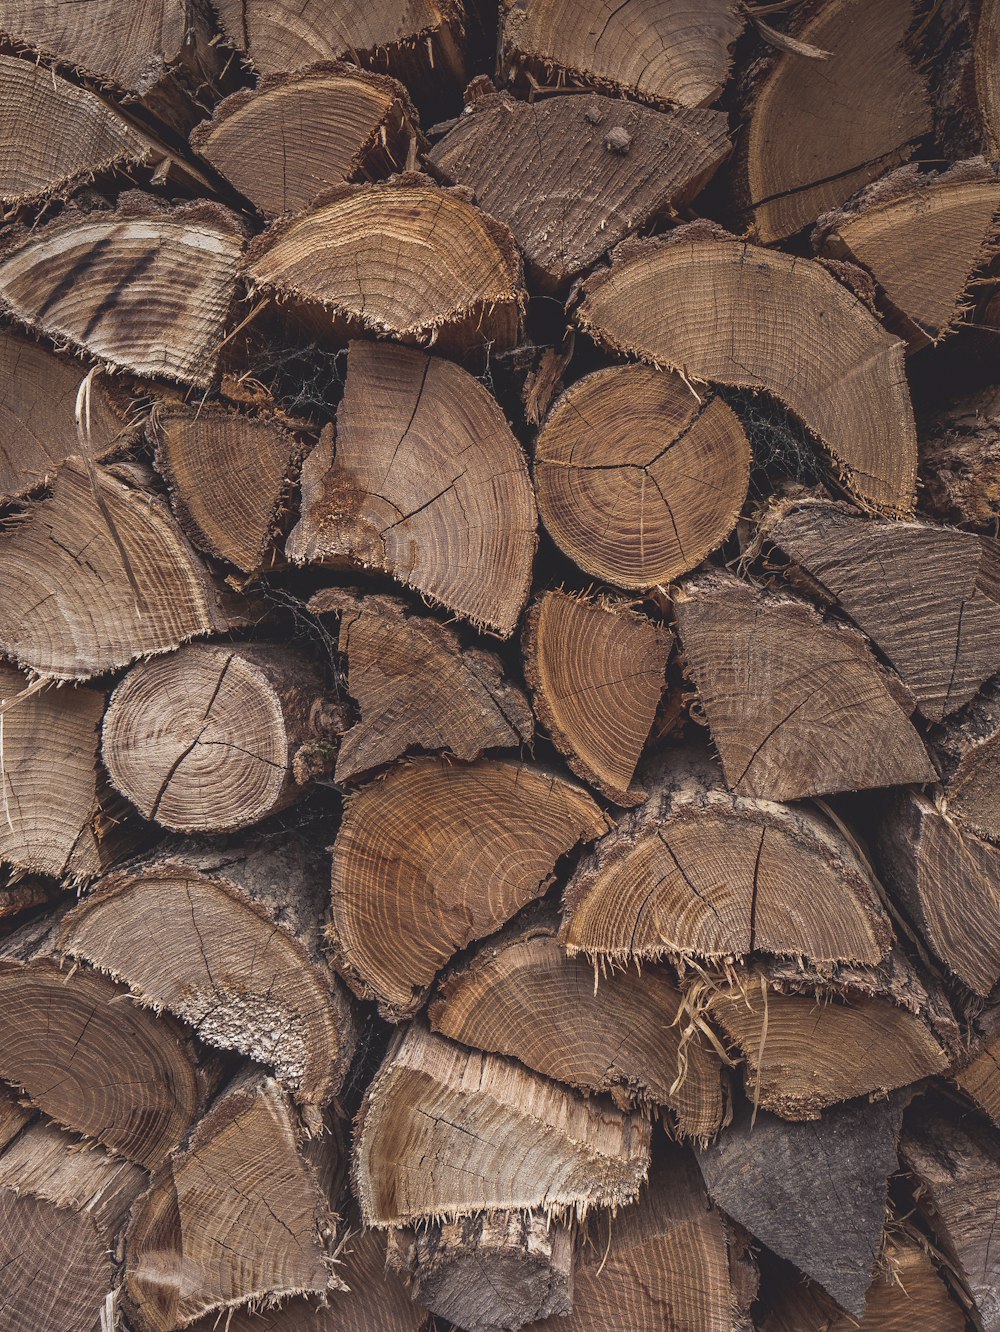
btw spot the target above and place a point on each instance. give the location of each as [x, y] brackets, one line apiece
[296, 135]
[228, 939]
[596, 670]
[417, 686]
[797, 705]
[524, 161]
[237, 1218]
[456, 273]
[426, 482]
[960, 461]
[446, 1132]
[979, 1079]
[715, 308]
[433, 856]
[967, 753]
[963, 46]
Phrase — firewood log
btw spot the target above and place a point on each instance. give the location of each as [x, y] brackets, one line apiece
[433, 856]
[417, 686]
[960, 461]
[979, 1078]
[637, 478]
[967, 752]
[446, 1132]
[797, 705]
[963, 56]
[425, 482]
[229, 939]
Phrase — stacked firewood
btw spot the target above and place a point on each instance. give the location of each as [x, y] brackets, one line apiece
[499, 665]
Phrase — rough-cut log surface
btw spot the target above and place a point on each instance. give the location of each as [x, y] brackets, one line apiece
[433, 856]
[637, 478]
[699, 872]
[62, 1204]
[526, 163]
[145, 287]
[661, 53]
[927, 597]
[237, 1217]
[446, 1132]
[797, 705]
[789, 174]
[426, 482]
[286, 142]
[622, 1034]
[229, 477]
[980, 1078]
[986, 64]
[815, 1194]
[417, 687]
[405, 259]
[960, 461]
[967, 753]
[229, 940]
[596, 671]
[700, 301]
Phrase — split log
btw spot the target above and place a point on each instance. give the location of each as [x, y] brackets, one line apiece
[698, 872]
[426, 482]
[433, 856]
[62, 1205]
[20, 893]
[700, 301]
[445, 1133]
[417, 687]
[229, 478]
[237, 1218]
[90, 582]
[657, 53]
[98, 1065]
[980, 1078]
[637, 478]
[787, 178]
[525, 162]
[403, 259]
[147, 287]
[295, 136]
[964, 57]
[229, 940]
[960, 462]
[215, 738]
[927, 597]
[596, 671]
[921, 237]
[967, 753]
[797, 705]
[623, 1034]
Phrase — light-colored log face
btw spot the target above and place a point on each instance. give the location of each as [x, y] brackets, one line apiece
[448, 1132]
[427, 482]
[791, 177]
[724, 311]
[638, 480]
[405, 259]
[980, 1080]
[435, 855]
[674, 52]
[146, 288]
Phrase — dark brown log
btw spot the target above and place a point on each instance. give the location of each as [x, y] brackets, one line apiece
[417, 687]
[967, 753]
[964, 46]
[960, 461]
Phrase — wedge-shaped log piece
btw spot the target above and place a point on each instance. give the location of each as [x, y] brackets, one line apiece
[718, 309]
[426, 482]
[524, 162]
[787, 178]
[967, 753]
[403, 259]
[659, 53]
[596, 670]
[699, 872]
[147, 287]
[229, 479]
[525, 997]
[93, 1061]
[433, 856]
[797, 705]
[960, 461]
[637, 479]
[238, 1217]
[296, 136]
[813, 1193]
[230, 941]
[62, 1206]
[446, 1132]
[927, 597]
[417, 687]
[980, 1078]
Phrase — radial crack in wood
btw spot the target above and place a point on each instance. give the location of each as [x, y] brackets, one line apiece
[967, 752]
[960, 461]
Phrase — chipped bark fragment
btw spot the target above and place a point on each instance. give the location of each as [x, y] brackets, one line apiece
[960, 461]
